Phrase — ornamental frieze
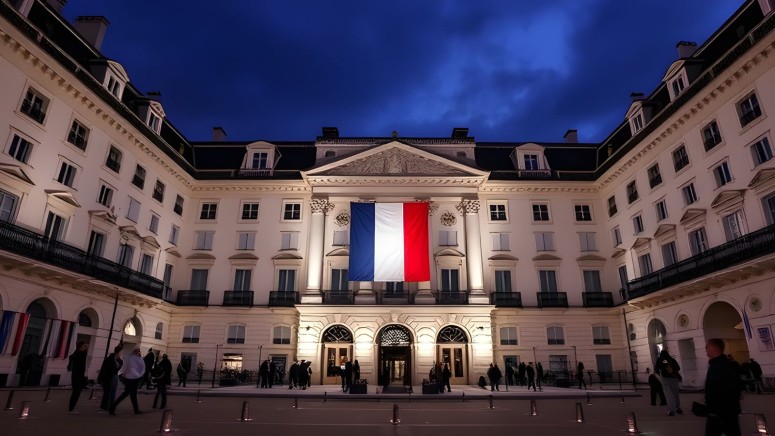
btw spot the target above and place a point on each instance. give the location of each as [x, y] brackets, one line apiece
[468, 207]
[448, 219]
[321, 205]
[396, 161]
[342, 219]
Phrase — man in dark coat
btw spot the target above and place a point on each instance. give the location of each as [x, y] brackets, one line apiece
[272, 373]
[163, 378]
[509, 374]
[293, 375]
[530, 376]
[539, 375]
[656, 389]
[303, 374]
[77, 367]
[348, 375]
[183, 370]
[521, 374]
[263, 372]
[108, 378]
[722, 392]
[149, 360]
[493, 374]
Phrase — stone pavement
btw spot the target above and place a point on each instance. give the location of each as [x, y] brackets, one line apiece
[325, 410]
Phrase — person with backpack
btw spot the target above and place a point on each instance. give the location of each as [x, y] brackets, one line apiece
[667, 368]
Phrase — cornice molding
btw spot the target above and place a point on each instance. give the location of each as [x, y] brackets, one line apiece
[543, 188]
[223, 187]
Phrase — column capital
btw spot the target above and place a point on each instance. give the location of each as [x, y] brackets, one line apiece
[468, 207]
[321, 205]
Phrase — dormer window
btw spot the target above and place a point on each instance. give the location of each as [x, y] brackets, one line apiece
[637, 123]
[154, 122]
[530, 161]
[677, 86]
[115, 79]
[260, 160]
[114, 86]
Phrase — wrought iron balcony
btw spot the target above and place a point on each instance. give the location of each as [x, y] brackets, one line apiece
[238, 298]
[535, 174]
[278, 298]
[744, 248]
[193, 298]
[338, 297]
[552, 299]
[258, 172]
[598, 299]
[35, 246]
[506, 299]
[402, 297]
[451, 297]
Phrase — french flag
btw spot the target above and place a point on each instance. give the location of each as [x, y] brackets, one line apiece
[389, 242]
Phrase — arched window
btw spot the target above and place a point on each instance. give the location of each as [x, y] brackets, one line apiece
[130, 329]
[395, 336]
[451, 334]
[657, 338]
[159, 330]
[84, 320]
[330, 153]
[338, 333]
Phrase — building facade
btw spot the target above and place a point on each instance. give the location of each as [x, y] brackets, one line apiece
[114, 226]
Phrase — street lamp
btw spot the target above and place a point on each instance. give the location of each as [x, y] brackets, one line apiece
[215, 364]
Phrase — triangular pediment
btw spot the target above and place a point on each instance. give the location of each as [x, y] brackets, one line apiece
[692, 215]
[16, 172]
[641, 241]
[730, 197]
[761, 177]
[664, 230]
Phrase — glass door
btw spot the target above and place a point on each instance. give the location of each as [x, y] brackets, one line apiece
[336, 356]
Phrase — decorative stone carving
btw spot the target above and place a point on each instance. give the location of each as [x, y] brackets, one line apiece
[396, 161]
[321, 205]
[448, 219]
[468, 207]
[432, 208]
[342, 219]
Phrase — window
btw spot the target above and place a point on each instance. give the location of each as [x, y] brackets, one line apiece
[8, 204]
[661, 208]
[78, 135]
[34, 105]
[209, 211]
[106, 196]
[711, 136]
[242, 279]
[154, 224]
[623, 276]
[260, 161]
[644, 261]
[450, 280]
[637, 123]
[722, 174]
[341, 238]
[158, 191]
[66, 175]
[531, 161]
[544, 241]
[616, 235]
[199, 279]
[592, 281]
[139, 178]
[600, 335]
[289, 240]
[677, 86]
[655, 177]
[689, 194]
[281, 335]
[447, 238]
[748, 110]
[733, 225]
[498, 212]
[96, 244]
[133, 212]
[509, 336]
[246, 240]
[191, 334]
[502, 281]
[203, 240]
[114, 87]
[250, 211]
[761, 151]
[329, 153]
[20, 149]
[680, 158]
[146, 264]
[637, 224]
[292, 211]
[154, 122]
[698, 241]
[587, 241]
[612, 206]
[339, 280]
[541, 212]
[555, 335]
[548, 280]
[114, 159]
[500, 241]
[174, 233]
[632, 192]
[55, 227]
[394, 288]
[125, 254]
[287, 280]
[669, 255]
[178, 205]
[159, 331]
[583, 212]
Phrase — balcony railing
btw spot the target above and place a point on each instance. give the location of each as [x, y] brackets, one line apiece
[744, 248]
[598, 299]
[338, 297]
[238, 298]
[403, 297]
[535, 174]
[552, 299]
[451, 297]
[255, 172]
[193, 298]
[35, 246]
[506, 299]
[277, 298]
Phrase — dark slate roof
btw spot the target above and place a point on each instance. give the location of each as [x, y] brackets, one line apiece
[575, 157]
[224, 159]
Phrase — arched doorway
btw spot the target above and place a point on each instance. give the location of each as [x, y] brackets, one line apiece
[32, 358]
[338, 348]
[657, 338]
[723, 321]
[131, 335]
[452, 350]
[395, 356]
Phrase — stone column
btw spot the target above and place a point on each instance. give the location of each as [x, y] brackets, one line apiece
[317, 237]
[476, 294]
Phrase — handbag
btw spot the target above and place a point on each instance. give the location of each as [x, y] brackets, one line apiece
[699, 409]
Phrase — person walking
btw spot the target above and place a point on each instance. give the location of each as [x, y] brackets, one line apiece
[668, 368]
[539, 375]
[263, 372]
[530, 372]
[521, 374]
[272, 373]
[509, 374]
[183, 371]
[756, 372]
[77, 367]
[163, 379]
[134, 371]
[580, 375]
[293, 375]
[308, 369]
[492, 374]
[656, 389]
[722, 392]
[108, 378]
[438, 373]
[303, 374]
[149, 361]
[446, 374]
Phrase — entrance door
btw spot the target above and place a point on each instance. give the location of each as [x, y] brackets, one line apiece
[336, 355]
[395, 367]
[454, 356]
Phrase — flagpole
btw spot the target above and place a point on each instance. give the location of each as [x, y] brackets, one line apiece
[112, 323]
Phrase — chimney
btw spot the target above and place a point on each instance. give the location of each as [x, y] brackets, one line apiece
[636, 96]
[219, 134]
[460, 132]
[686, 49]
[57, 5]
[92, 28]
[330, 132]
[571, 136]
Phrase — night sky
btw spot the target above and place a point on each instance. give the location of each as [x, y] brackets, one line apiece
[507, 70]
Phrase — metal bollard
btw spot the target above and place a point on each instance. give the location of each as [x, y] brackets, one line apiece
[166, 422]
[632, 424]
[24, 412]
[464, 397]
[395, 420]
[533, 408]
[589, 400]
[296, 403]
[761, 424]
[48, 392]
[491, 406]
[622, 399]
[198, 400]
[579, 413]
[9, 403]
[245, 412]
[325, 396]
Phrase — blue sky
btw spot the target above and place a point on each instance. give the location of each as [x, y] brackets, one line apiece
[507, 70]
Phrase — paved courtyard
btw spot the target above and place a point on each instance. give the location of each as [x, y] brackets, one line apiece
[324, 410]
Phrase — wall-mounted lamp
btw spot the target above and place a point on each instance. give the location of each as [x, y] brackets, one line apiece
[307, 328]
[481, 327]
